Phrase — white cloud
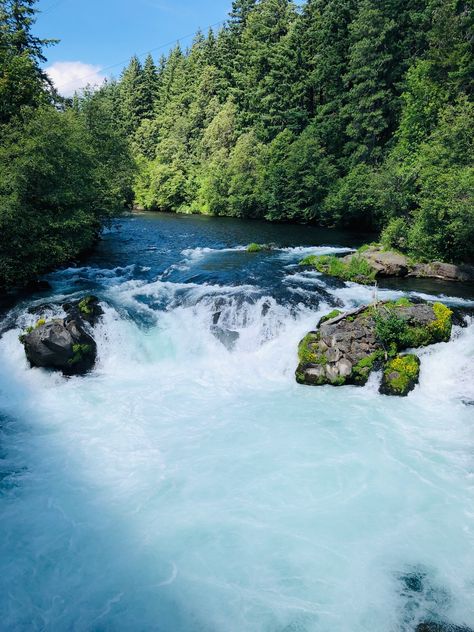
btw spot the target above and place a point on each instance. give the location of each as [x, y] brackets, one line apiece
[69, 76]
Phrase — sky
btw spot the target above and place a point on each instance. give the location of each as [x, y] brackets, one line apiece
[98, 37]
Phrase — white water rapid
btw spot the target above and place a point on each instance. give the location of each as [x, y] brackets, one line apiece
[189, 484]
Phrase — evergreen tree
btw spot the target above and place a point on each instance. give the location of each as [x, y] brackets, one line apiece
[150, 88]
[369, 98]
[132, 96]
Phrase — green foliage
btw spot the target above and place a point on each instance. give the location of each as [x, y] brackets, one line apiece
[330, 316]
[308, 350]
[401, 374]
[80, 351]
[309, 260]
[395, 332]
[338, 112]
[403, 302]
[62, 169]
[84, 305]
[395, 234]
[390, 328]
[255, 247]
[362, 370]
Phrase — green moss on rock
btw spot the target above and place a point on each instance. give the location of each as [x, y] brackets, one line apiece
[330, 316]
[400, 375]
[308, 350]
[85, 306]
[355, 269]
[80, 352]
[362, 370]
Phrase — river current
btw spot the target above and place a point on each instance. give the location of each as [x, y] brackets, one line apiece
[188, 484]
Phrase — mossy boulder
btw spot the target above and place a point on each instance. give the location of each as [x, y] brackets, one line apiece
[61, 345]
[373, 261]
[65, 344]
[347, 347]
[400, 375]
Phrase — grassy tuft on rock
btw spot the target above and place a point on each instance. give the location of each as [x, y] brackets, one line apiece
[355, 269]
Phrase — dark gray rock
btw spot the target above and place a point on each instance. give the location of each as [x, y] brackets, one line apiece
[62, 345]
[388, 263]
[86, 309]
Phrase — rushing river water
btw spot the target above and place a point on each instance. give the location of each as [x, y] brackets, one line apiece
[189, 484]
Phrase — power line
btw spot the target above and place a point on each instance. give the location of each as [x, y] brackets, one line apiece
[140, 55]
[52, 6]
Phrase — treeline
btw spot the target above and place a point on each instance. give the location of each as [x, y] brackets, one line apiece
[339, 112]
[61, 171]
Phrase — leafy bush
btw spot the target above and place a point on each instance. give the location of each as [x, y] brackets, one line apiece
[395, 234]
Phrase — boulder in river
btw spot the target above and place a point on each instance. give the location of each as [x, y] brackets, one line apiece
[346, 348]
[385, 263]
[373, 261]
[64, 344]
[400, 375]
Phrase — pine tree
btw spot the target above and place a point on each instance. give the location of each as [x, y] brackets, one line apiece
[267, 69]
[369, 98]
[22, 79]
[132, 96]
[323, 36]
[151, 84]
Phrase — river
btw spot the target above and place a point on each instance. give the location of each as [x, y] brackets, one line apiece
[189, 484]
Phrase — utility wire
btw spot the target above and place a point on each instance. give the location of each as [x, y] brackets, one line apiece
[140, 55]
[52, 6]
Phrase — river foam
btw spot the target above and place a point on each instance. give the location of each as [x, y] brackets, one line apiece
[189, 483]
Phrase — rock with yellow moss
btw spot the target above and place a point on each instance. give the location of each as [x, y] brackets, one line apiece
[400, 375]
[346, 348]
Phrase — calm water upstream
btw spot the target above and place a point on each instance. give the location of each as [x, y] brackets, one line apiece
[189, 484]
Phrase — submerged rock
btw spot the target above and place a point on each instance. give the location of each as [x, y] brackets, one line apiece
[253, 247]
[63, 344]
[346, 348]
[441, 627]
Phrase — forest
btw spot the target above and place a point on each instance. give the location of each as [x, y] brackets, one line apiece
[341, 113]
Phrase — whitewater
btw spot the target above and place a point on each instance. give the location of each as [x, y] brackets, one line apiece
[189, 484]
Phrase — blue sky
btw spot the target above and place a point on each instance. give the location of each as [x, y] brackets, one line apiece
[98, 34]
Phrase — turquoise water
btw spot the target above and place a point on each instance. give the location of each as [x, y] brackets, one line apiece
[189, 483]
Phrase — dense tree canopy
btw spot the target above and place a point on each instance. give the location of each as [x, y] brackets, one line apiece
[339, 112]
[63, 168]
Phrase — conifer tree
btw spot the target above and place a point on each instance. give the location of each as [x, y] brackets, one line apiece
[132, 96]
[369, 97]
[150, 88]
